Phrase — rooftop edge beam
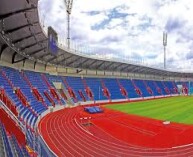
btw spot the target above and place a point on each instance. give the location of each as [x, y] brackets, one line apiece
[3, 16]
[20, 60]
[49, 60]
[25, 38]
[18, 28]
[35, 52]
[43, 55]
[66, 58]
[68, 64]
[100, 65]
[94, 61]
[31, 45]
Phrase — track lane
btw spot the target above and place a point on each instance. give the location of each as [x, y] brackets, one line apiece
[63, 128]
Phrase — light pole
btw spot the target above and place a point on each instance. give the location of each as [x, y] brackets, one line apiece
[99, 93]
[165, 44]
[68, 4]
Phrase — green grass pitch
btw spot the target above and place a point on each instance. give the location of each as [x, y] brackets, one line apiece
[174, 109]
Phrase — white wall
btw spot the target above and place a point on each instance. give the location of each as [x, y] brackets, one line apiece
[40, 67]
[50, 68]
[6, 56]
[29, 64]
[91, 72]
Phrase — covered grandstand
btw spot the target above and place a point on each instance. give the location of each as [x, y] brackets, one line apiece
[40, 91]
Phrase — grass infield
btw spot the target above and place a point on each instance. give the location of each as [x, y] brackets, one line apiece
[174, 109]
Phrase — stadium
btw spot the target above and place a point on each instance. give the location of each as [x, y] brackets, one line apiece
[57, 101]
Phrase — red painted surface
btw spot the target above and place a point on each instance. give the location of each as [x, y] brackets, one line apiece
[11, 127]
[113, 134]
[22, 97]
[44, 78]
[89, 93]
[137, 90]
[143, 131]
[8, 102]
[105, 90]
[87, 90]
[72, 94]
[185, 89]
[26, 79]
[54, 94]
[37, 94]
[63, 94]
[122, 89]
[175, 88]
[158, 88]
[49, 98]
[82, 95]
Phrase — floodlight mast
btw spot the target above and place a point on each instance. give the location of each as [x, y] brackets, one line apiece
[165, 36]
[68, 4]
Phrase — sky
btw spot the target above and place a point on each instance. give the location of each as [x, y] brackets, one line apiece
[131, 30]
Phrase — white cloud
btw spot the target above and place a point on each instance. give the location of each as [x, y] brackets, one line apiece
[137, 35]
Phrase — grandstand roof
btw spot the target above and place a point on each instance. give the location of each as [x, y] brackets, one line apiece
[21, 30]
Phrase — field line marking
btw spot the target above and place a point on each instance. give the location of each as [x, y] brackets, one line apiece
[82, 127]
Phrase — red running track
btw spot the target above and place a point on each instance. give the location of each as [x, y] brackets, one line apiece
[66, 136]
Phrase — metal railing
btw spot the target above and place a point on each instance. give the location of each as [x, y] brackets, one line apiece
[13, 117]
